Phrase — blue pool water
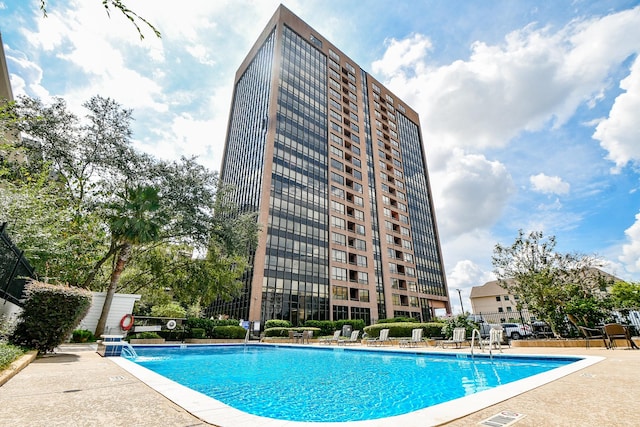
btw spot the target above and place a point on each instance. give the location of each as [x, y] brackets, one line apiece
[334, 384]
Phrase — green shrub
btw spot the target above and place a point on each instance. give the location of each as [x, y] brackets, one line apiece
[277, 323]
[460, 321]
[403, 329]
[172, 309]
[7, 326]
[398, 320]
[284, 332]
[49, 315]
[9, 353]
[276, 332]
[229, 332]
[325, 327]
[82, 335]
[207, 324]
[355, 324]
[147, 335]
[197, 333]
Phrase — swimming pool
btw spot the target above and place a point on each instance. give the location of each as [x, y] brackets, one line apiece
[339, 385]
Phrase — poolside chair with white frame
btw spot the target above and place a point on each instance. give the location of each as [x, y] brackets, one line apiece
[496, 337]
[459, 337]
[382, 339]
[330, 340]
[416, 338]
[353, 339]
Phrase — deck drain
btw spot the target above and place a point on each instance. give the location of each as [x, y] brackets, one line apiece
[503, 419]
[72, 390]
[117, 378]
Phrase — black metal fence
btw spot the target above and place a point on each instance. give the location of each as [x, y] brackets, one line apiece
[15, 270]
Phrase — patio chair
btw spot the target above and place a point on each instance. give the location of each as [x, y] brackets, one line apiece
[306, 335]
[330, 340]
[353, 339]
[416, 338]
[495, 339]
[459, 337]
[383, 338]
[616, 331]
[593, 334]
[292, 336]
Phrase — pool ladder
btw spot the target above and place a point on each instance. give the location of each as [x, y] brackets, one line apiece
[473, 341]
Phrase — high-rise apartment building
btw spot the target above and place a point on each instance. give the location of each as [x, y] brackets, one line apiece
[334, 164]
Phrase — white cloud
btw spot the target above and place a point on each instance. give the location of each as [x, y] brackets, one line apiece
[619, 134]
[403, 55]
[631, 250]
[471, 192]
[545, 184]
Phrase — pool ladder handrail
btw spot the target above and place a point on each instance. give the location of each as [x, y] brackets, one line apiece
[473, 340]
[246, 337]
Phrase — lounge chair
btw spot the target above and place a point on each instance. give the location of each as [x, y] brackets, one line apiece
[459, 337]
[306, 335]
[593, 334]
[353, 339]
[416, 338]
[616, 331]
[330, 340]
[495, 339]
[383, 338]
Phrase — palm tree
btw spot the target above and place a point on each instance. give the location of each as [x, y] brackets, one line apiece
[137, 219]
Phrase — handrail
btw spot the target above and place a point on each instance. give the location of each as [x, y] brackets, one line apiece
[473, 340]
[246, 337]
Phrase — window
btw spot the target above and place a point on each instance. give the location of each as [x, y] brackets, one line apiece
[363, 278]
[364, 295]
[338, 256]
[361, 260]
[315, 40]
[506, 297]
[338, 273]
[337, 178]
[350, 68]
[375, 87]
[337, 152]
[339, 239]
[358, 214]
[337, 165]
[334, 56]
[337, 140]
[338, 207]
[337, 192]
[338, 222]
[340, 292]
[498, 298]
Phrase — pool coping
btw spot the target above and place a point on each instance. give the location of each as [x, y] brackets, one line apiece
[215, 412]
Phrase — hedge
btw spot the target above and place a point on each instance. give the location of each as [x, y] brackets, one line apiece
[284, 332]
[208, 325]
[403, 329]
[277, 323]
[50, 314]
[8, 353]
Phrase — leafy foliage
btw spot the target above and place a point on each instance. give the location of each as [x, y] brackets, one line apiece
[172, 309]
[277, 323]
[93, 212]
[626, 295]
[82, 335]
[49, 315]
[9, 353]
[460, 321]
[122, 7]
[552, 285]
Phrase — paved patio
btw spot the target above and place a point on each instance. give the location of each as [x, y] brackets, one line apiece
[77, 387]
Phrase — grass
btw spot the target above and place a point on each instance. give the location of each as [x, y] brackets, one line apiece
[9, 353]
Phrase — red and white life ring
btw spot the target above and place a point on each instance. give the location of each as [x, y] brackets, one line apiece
[126, 322]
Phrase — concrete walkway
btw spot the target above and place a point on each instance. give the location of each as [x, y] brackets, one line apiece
[77, 387]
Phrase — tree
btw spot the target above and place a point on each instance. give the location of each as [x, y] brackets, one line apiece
[626, 295]
[122, 7]
[137, 204]
[552, 285]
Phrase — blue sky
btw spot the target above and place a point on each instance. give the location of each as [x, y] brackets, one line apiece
[529, 109]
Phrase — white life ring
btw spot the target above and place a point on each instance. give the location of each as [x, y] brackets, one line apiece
[171, 324]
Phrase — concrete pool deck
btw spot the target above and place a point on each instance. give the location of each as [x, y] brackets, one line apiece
[77, 387]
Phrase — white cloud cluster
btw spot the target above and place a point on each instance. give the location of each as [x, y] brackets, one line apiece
[535, 80]
[545, 184]
[619, 134]
[631, 250]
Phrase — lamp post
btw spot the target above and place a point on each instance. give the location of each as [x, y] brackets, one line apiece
[460, 296]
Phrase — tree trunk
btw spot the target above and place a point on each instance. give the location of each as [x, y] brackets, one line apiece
[123, 258]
